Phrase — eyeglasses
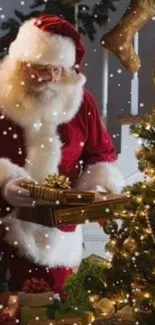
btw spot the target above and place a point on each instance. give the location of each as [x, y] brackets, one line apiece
[42, 72]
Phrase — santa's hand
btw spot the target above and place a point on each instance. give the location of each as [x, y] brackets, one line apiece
[99, 197]
[99, 191]
[17, 196]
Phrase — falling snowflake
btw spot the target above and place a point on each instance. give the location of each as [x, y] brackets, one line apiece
[81, 144]
[15, 136]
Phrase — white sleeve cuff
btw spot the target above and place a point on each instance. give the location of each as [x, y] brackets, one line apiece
[10, 170]
[102, 174]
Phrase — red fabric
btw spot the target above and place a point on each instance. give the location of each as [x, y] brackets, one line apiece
[56, 25]
[101, 222]
[22, 269]
[60, 275]
[67, 228]
[98, 145]
[84, 139]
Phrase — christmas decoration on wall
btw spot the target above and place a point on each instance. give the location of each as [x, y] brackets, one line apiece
[120, 39]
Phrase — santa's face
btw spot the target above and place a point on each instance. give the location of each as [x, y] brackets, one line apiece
[29, 92]
[29, 89]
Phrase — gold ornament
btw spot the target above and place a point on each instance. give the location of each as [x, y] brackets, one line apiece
[126, 313]
[130, 245]
[111, 246]
[57, 181]
[94, 299]
[105, 307]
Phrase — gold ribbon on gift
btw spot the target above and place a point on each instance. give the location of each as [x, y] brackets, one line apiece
[57, 181]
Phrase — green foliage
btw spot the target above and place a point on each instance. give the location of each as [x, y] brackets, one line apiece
[133, 263]
[132, 244]
[76, 293]
[90, 279]
[88, 18]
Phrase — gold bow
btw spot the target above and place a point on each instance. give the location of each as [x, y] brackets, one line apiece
[57, 181]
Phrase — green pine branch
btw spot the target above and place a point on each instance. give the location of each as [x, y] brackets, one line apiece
[88, 18]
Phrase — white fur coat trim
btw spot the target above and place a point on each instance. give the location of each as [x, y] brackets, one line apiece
[40, 47]
[104, 174]
[9, 170]
[45, 246]
[44, 153]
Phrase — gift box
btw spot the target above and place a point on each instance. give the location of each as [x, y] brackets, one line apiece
[35, 316]
[57, 190]
[34, 306]
[31, 315]
[56, 313]
[113, 321]
[59, 216]
[35, 299]
[71, 318]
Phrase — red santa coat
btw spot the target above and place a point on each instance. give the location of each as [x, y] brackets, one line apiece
[86, 145]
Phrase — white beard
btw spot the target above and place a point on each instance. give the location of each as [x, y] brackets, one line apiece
[56, 102]
[45, 91]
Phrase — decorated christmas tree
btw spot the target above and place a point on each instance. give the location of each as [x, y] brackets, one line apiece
[87, 17]
[128, 281]
[133, 265]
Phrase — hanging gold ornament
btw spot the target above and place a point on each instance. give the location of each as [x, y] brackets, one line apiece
[105, 307]
[130, 245]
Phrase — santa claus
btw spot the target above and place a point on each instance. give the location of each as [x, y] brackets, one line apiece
[49, 124]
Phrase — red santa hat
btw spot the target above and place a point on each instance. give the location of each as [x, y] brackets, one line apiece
[48, 40]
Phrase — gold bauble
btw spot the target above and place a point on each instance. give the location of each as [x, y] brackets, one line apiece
[105, 307]
[130, 245]
[126, 313]
[110, 246]
[94, 299]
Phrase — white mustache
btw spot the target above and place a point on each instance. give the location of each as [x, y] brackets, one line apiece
[44, 87]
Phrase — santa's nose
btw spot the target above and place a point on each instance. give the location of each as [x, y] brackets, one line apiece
[45, 78]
